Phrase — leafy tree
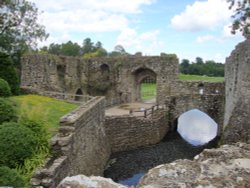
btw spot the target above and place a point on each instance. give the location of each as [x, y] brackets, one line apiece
[19, 29]
[241, 16]
[8, 72]
[101, 52]
[55, 49]
[184, 66]
[98, 45]
[199, 60]
[88, 46]
[209, 68]
[70, 49]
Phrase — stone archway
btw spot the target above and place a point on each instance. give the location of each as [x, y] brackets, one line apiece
[145, 85]
[78, 96]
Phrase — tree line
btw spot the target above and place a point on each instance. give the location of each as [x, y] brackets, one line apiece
[199, 67]
[87, 49]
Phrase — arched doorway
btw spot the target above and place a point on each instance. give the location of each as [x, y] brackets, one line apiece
[145, 85]
[79, 95]
[196, 127]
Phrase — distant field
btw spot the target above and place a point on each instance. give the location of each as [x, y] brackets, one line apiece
[187, 77]
[42, 108]
[148, 90]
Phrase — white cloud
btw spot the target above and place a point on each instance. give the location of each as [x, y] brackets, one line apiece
[87, 15]
[145, 42]
[205, 38]
[202, 15]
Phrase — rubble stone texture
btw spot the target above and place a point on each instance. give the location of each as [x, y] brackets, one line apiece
[227, 166]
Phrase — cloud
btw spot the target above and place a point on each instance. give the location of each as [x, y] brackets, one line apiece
[88, 15]
[202, 15]
[145, 42]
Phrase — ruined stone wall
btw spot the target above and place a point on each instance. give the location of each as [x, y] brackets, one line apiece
[194, 87]
[237, 110]
[212, 104]
[80, 147]
[130, 132]
[115, 78]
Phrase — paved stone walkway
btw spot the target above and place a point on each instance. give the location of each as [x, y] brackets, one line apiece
[123, 109]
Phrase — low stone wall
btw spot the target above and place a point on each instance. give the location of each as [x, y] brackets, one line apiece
[130, 132]
[80, 147]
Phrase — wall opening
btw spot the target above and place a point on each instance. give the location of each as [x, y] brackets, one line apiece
[61, 71]
[145, 85]
[105, 71]
[197, 128]
[78, 96]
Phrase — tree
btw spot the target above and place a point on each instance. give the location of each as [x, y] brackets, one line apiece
[9, 73]
[88, 46]
[55, 49]
[19, 30]
[70, 49]
[184, 66]
[241, 16]
[199, 60]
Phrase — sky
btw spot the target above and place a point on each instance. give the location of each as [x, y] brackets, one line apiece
[188, 28]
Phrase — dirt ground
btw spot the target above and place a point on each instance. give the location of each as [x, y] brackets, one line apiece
[123, 109]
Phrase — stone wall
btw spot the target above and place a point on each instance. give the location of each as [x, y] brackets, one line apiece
[80, 147]
[130, 132]
[212, 104]
[237, 110]
[117, 78]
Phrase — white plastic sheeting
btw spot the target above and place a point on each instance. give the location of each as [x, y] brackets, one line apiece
[196, 127]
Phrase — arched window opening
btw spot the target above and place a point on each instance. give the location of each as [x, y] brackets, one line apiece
[145, 85]
[79, 95]
[105, 71]
[196, 127]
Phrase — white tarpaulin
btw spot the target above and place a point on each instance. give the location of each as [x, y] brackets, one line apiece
[196, 127]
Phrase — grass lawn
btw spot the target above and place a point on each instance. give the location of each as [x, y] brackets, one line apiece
[45, 109]
[186, 77]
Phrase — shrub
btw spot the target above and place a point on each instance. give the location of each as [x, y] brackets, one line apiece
[7, 112]
[9, 73]
[4, 88]
[17, 144]
[10, 177]
[38, 130]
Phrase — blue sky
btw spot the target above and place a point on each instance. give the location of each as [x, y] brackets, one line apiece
[188, 28]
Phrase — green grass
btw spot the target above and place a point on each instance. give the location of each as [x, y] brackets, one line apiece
[148, 91]
[44, 109]
[40, 109]
[186, 77]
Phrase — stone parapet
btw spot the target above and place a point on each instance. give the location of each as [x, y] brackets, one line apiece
[80, 146]
[131, 132]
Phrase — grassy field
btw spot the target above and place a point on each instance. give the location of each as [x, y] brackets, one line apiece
[148, 90]
[44, 109]
[186, 77]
